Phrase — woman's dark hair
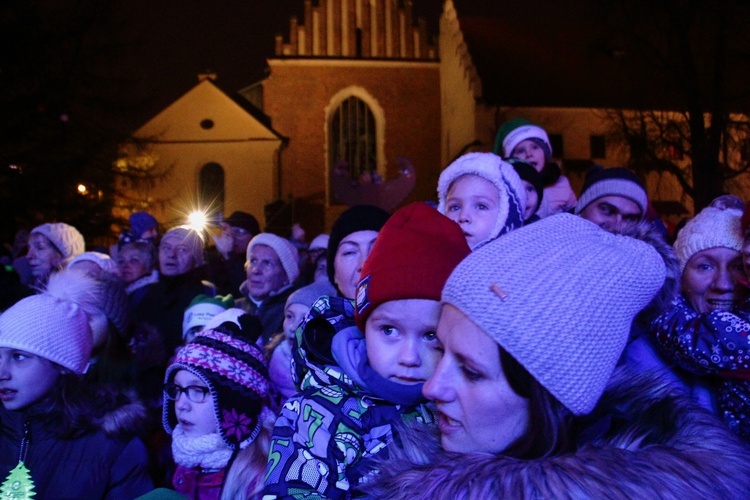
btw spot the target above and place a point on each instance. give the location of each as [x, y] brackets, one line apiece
[549, 431]
[75, 407]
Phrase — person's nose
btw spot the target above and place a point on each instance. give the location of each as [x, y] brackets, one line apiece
[438, 387]
[408, 354]
[182, 402]
[724, 281]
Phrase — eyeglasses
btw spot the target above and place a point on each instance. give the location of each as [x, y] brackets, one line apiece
[194, 393]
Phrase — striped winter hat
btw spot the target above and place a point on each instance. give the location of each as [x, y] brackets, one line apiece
[228, 360]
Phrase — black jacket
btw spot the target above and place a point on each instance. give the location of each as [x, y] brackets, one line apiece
[105, 463]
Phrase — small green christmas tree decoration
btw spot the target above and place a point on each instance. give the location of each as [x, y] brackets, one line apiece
[18, 485]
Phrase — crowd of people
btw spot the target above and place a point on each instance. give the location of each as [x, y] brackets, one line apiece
[511, 339]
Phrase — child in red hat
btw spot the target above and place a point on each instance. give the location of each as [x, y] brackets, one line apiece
[361, 365]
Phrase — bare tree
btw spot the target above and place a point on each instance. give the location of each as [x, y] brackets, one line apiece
[689, 61]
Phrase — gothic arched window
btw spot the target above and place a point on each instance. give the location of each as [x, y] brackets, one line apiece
[353, 137]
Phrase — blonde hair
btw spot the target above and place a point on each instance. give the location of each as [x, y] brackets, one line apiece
[245, 476]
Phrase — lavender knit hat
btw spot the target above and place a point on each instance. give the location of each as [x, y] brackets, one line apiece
[559, 296]
[51, 324]
[64, 237]
[712, 227]
[285, 251]
[498, 172]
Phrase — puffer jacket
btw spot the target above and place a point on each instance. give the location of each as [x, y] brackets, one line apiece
[660, 445]
[326, 436]
[108, 463]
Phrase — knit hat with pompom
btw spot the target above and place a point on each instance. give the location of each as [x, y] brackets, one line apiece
[54, 324]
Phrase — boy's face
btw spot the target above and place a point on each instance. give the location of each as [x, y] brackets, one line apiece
[25, 378]
[532, 198]
[530, 152]
[474, 203]
[293, 316]
[401, 342]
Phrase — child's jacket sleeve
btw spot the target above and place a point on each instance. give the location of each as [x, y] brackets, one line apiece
[312, 449]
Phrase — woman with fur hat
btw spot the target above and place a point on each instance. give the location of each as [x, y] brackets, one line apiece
[526, 390]
[59, 436]
[51, 247]
[705, 331]
[484, 195]
[216, 409]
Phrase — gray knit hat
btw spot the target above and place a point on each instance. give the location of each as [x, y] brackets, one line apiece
[711, 228]
[502, 175]
[285, 251]
[615, 181]
[64, 237]
[559, 295]
[307, 295]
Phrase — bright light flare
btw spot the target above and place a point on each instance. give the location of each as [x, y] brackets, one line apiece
[197, 220]
[82, 189]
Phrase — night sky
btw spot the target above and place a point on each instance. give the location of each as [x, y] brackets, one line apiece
[170, 42]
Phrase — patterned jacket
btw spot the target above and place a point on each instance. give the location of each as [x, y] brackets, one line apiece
[326, 435]
[712, 343]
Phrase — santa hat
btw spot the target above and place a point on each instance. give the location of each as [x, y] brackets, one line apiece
[202, 309]
[64, 237]
[515, 131]
[559, 296]
[413, 256]
[232, 366]
[512, 194]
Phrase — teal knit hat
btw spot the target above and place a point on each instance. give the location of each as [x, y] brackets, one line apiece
[514, 131]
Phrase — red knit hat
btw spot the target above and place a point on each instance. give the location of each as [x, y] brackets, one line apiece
[412, 258]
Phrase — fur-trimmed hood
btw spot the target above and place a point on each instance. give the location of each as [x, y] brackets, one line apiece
[665, 447]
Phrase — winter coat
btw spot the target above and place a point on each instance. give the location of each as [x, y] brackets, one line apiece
[194, 483]
[557, 198]
[105, 463]
[270, 312]
[709, 344]
[656, 444]
[326, 436]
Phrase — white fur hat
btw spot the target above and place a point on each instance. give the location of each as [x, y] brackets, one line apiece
[712, 227]
[104, 261]
[285, 251]
[64, 237]
[319, 242]
[51, 324]
[559, 296]
[498, 172]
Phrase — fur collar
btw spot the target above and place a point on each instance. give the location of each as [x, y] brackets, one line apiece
[667, 448]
